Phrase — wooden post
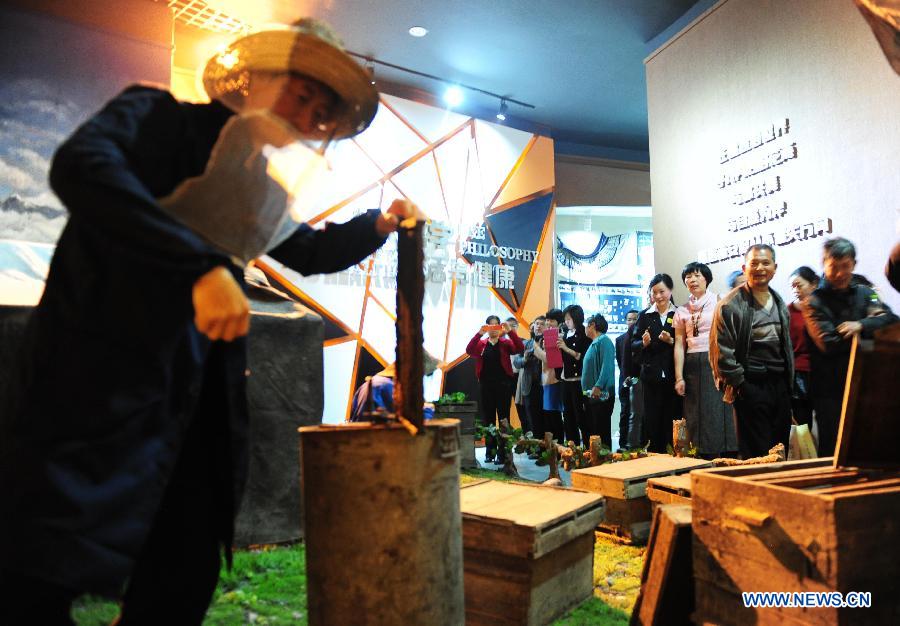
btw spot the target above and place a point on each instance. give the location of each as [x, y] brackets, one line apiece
[553, 457]
[408, 393]
[595, 450]
[503, 437]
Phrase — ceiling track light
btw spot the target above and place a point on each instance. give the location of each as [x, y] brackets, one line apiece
[501, 114]
[454, 86]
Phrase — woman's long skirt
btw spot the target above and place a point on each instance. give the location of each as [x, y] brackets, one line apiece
[710, 421]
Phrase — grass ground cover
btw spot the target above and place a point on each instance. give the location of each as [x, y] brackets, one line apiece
[268, 586]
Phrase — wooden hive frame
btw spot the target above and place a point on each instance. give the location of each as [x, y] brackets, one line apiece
[667, 582]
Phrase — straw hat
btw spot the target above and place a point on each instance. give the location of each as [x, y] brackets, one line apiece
[429, 364]
[308, 47]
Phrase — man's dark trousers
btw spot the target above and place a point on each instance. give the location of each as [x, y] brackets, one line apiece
[763, 410]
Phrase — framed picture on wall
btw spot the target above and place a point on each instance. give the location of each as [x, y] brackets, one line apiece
[612, 301]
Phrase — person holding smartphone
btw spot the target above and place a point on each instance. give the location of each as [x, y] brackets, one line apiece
[491, 348]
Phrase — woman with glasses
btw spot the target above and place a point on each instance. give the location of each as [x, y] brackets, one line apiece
[710, 421]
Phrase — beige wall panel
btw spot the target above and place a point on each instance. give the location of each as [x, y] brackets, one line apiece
[589, 182]
[743, 66]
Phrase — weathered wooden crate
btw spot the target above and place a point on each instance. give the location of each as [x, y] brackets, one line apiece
[821, 525]
[669, 490]
[624, 485]
[628, 520]
[465, 412]
[667, 582]
[528, 551]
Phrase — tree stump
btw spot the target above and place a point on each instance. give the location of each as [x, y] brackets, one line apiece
[503, 438]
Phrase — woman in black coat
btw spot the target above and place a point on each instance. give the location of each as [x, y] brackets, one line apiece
[573, 344]
[123, 450]
[653, 341]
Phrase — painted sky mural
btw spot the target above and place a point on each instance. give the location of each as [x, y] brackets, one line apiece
[47, 91]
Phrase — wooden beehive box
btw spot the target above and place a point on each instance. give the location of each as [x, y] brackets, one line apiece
[528, 551]
[624, 485]
[465, 412]
[669, 490]
[821, 525]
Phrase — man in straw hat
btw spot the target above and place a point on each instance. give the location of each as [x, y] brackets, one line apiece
[123, 449]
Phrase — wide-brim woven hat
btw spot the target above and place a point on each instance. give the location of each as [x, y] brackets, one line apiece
[308, 47]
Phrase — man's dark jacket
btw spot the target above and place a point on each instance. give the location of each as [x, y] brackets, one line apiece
[827, 308]
[112, 364]
[623, 351]
[731, 335]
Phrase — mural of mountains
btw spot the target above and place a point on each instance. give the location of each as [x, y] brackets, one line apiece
[26, 221]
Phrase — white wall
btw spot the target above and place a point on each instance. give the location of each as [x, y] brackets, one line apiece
[583, 181]
[743, 66]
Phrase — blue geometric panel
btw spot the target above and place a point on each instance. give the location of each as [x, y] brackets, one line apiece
[516, 228]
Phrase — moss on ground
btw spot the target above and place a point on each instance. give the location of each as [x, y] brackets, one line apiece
[475, 474]
[268, 586]
[617, 580]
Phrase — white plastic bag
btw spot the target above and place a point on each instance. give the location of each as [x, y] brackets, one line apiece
[802, 444]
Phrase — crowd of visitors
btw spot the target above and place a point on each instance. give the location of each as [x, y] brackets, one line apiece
[739, 367]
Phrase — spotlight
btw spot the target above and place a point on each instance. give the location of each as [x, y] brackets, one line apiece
[418, 31]
[453, 96]
[501, 114]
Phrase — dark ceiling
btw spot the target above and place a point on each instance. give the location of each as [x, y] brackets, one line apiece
[579, 62]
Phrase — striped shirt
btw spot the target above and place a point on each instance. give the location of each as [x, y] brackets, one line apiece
[765, 340]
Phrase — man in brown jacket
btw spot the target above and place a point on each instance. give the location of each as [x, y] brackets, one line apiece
[751, 356]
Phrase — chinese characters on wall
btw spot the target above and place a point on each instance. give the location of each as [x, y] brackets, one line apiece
[753, 179]
[442, 261]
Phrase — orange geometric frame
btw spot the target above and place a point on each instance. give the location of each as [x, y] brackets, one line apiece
[544, 256]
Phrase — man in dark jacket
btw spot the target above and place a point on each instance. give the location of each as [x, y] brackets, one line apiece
[123, 449]
[751, 356]
[623, 354]
[839, 310]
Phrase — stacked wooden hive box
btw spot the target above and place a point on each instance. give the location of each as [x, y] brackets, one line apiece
[528, 551]
[465, 412]
[824, 525]
[624, 485]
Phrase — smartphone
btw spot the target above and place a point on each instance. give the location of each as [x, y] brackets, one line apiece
[494, 327]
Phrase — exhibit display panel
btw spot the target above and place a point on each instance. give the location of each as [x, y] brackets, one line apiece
[488, 192]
